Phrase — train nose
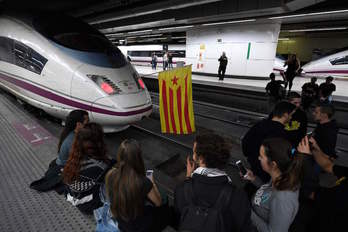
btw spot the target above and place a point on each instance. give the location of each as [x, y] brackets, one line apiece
[118, 111]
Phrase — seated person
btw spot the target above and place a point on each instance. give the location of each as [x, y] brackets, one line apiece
[74, 121]
[86, 167]
[275, 204]
[53, 178]
[134, 199]
[331, 203]
[207, 186]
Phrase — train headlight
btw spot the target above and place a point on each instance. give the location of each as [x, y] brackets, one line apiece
[105, 84]
[138, 81]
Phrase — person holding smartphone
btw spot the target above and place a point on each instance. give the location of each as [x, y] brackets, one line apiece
[135, 201]
[207, 184]
[331, 204]
[275, 203]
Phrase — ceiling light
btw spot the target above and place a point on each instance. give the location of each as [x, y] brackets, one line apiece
[319, 29]
[229, 22]
[173, 28]
[309, 14]
[146, 36]
[114, 34]
[282, 39]
[136, 32]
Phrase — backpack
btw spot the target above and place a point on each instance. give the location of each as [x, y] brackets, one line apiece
[204, 217]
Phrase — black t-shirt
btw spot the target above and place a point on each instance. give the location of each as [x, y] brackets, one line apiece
[296, 129]
[326, 136]
[142, 223]
[253, 139]
[310, 90]
[274, 88]
[332, 203]
[340, 171]
[223, 61]
[327, 89]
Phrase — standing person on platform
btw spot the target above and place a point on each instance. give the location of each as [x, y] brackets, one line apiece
[165, 60]
[267, 128]
[222, 67]
[170, 60]
[310, 91]
[297, 127]
[325, 134]
[326, 89]
[154, 61]
[293, 67]
[274, 91]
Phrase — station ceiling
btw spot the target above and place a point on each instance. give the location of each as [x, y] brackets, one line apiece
[153, 21]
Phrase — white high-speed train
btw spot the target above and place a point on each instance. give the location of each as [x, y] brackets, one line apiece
[278, 66]
[335, 65]
[59, 64]
[141, 54]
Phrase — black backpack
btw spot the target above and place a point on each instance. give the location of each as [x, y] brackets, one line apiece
[204, 217]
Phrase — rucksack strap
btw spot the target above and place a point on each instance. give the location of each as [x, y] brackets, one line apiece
[224, 197]
[188, 192]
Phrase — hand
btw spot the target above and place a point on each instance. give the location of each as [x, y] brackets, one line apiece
[190, 166]
[314, 144]
[248, 176]
[304, 146]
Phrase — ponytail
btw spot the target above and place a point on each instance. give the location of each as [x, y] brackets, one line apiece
[290, 178]
[290, 165]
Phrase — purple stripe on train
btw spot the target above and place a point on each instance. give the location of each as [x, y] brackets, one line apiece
[52, 96]
[330, 71]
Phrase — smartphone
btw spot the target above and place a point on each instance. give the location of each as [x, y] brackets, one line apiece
[241, 167]
[149, 174]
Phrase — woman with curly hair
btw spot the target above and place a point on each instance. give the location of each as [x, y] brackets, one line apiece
[86, 167]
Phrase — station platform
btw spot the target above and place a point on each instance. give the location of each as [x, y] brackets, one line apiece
[341, 93]
[26, 149]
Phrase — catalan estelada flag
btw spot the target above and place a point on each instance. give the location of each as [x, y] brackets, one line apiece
[176, 107]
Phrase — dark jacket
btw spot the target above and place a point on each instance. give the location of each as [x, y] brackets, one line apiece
[223, 61]
[326, 136]
[253, 139]
[207, 190]
[84, 191]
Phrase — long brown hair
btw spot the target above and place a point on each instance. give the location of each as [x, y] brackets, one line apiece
[290, 165]
[88, 142]
[124, 183]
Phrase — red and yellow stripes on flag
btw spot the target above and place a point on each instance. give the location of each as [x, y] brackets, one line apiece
[176, 107]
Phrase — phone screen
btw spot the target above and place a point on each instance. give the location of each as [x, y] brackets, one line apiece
[241, 167]
[149, 174]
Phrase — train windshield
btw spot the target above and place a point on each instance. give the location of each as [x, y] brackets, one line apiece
[74, 34]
